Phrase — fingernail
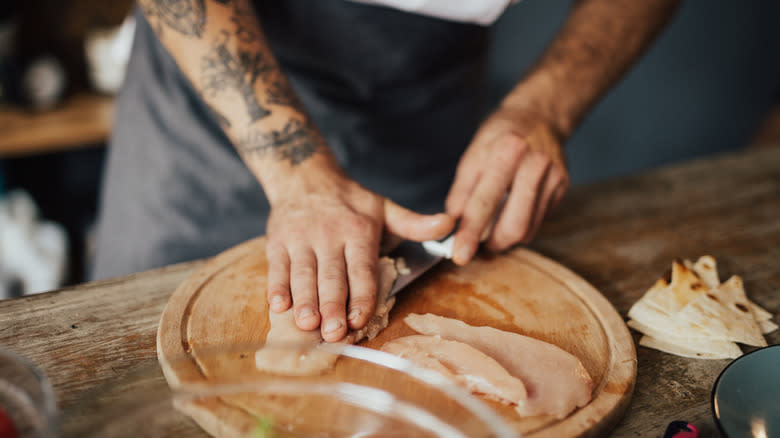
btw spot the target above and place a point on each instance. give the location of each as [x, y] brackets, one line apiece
[332, 326]
[354, 314]
[277, 301]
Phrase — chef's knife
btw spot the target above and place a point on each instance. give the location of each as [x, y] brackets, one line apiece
[413, 259]
[418, 258]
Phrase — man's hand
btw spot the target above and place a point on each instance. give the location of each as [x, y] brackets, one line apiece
[516, 155]
[323, 249]
[514, 170]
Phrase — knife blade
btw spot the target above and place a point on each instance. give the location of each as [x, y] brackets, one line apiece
[418, 258]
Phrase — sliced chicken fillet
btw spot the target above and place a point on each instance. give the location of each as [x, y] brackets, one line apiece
[556, 381]
[462, 363]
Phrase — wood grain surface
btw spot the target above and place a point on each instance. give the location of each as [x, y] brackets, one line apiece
[81, 120]
[96, 341]
[222, 307]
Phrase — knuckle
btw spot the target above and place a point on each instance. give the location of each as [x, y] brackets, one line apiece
[331, 306]
[557, 177]
[273, 248]
[362, 303]
[536, 180]
[363, 269]
[482, 203]
[544, 163]
[362, 253]
[362, 289]
[305, 270]
[512, 146]
[359, 225]
[333, 275]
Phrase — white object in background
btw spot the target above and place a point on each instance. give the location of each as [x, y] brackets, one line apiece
[108, 51]
[43, 83]
[33, 253]
[482, 12]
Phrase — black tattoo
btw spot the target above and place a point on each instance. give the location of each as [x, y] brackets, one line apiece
[222, 69]
[184, 16]
[280, 92]
[296, 142]
[246, 22]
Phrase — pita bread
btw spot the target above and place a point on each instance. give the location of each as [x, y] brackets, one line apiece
[652, 299]
[767, 327]
[700, 344]
[684, 287]
[707, 270]
[759, 312]
[650, 342]
[724, 313]
[763, 317]
[664, 325]
[691, 313]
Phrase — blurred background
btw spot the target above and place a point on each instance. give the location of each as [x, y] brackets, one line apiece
[710, 84]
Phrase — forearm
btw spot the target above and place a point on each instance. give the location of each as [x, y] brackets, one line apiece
[598, 43]
[220, 47]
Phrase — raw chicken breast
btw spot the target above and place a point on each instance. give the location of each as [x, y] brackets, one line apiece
[294, 352]
[555, 380]
[461, 363]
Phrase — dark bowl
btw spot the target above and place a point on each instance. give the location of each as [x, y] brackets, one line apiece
[746, 396]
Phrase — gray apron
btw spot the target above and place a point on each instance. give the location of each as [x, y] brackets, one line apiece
[396, 96]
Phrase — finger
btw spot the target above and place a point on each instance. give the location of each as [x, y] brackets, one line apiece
[332, 284]
[560, 193]
[517, 216]
[414, 226]
[486, 198]
[477, 216]
[362, 260]
[303, 286]
[278, 293]
[552, 181]
[466, 177]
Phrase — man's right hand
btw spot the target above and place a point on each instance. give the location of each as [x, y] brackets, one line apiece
[323, 250]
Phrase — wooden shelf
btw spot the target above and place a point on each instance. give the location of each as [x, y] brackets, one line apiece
[82, 120]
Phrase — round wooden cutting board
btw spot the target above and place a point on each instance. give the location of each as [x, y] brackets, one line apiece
[223, 304]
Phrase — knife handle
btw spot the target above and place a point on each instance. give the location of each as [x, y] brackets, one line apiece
[441, 249]
[444, 248]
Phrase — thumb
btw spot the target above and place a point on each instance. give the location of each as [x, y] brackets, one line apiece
[414, 226]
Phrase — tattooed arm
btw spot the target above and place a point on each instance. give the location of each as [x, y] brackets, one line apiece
[324, 229]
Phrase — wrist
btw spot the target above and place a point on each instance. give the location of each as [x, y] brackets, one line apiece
[319, 174]
[539, 95]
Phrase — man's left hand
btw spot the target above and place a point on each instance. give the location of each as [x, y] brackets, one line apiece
[513, 170]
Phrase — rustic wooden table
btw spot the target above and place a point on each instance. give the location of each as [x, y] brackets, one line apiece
[620, 235]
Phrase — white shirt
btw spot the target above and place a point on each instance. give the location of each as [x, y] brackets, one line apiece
[483, 12]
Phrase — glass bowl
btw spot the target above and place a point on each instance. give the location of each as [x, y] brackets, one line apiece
[367, 393]
[26, 399]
